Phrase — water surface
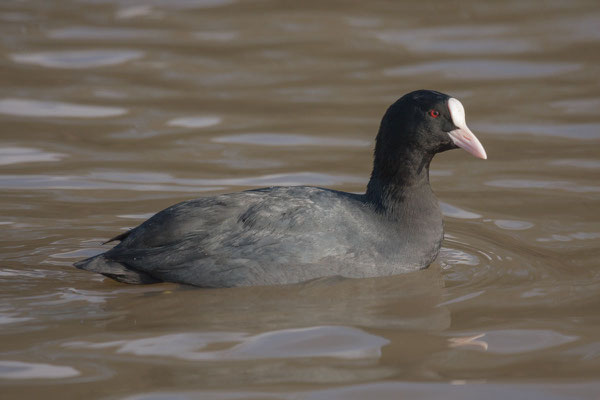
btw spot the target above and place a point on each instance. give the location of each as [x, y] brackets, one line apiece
[112, 110]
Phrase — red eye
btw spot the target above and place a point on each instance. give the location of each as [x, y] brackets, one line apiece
[434, 113]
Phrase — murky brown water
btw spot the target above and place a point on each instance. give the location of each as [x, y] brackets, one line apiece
[112, 110]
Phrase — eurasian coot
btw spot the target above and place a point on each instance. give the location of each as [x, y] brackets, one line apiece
[280, 235]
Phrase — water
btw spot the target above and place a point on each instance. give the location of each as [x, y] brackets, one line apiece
[112, 110]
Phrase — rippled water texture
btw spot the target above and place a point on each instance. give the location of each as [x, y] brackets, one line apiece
[112, 110]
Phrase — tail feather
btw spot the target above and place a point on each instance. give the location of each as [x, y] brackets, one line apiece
[114, 270]
[119, 237]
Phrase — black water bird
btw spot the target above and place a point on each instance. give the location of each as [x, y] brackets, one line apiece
[281, 235]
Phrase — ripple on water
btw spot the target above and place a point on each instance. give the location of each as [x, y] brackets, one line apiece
[458, 40]
[18, 155]
[450, 257]
[15, 17]
[578, 163]
[549, 185]
[69, 295]
[571, 131]
[38, 108]
[22, 273]
[144, 10]
[475, 262]
[454, 212]
[25, 370]
[279, 139]
[580, 28]
[77, 59]
[515, 341]
[195, 122]
[478, 69]
[217, 36]
[166, 182]
[290, 179]
[136, 216]
[103, 33]
[134, 11]
[512, 225]
[363, 22]
[319, 341]
[11, 318]
[300, 178]
[393, 390]
[76, 254]
[571, 236]
[578, 106]
[67, 182]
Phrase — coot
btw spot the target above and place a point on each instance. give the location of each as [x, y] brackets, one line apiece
[281, 235]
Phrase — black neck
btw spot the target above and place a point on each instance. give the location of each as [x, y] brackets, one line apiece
[395, 178]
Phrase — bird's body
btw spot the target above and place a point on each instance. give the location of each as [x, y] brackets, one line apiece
[281, 235]
[272, 236]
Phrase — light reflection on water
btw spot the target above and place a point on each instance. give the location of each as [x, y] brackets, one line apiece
[21, 370]
[37, 108]
[17, 155]
[478, 69]
[158, 182]
[320, 341]
[195, 122]
[77, 59]
[275, 139]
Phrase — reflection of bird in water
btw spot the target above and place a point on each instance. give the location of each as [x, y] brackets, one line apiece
[472, 341]
[409, 302]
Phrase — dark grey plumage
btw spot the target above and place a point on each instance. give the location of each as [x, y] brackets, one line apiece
[283, 235]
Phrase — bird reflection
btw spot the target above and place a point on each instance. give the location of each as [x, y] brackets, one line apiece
[469, 341]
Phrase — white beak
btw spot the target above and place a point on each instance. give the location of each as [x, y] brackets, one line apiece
[463, 137]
